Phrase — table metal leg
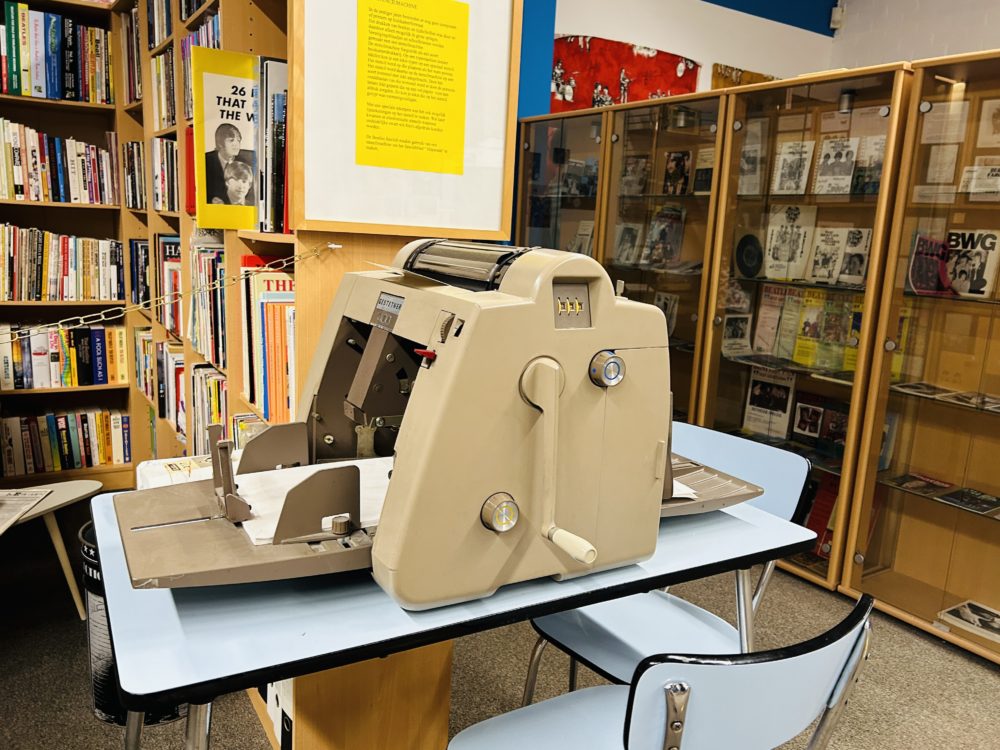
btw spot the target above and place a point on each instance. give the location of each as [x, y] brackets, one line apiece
[52, 525]
[574, 666]
[199, 726]
[133, 729]
[744, 610]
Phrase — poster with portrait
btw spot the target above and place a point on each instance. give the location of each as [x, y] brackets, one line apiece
[588, 71]
[224, 91]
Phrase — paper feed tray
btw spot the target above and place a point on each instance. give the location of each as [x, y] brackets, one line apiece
[698, 488]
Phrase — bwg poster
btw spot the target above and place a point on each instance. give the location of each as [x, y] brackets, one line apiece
[225, 130]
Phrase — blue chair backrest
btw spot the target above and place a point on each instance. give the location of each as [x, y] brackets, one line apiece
[753, 701]
[782, 474]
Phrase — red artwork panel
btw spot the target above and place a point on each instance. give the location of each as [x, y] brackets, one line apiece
[588, 71]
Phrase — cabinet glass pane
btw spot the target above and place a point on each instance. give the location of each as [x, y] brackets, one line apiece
[559, 183]
[799, 231]
[929, 536]
[658, 234]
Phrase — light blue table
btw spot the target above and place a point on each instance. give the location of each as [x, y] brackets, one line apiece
[192, 645]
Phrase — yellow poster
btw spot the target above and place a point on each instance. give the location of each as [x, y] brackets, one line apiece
[224, 90]
[411, 85]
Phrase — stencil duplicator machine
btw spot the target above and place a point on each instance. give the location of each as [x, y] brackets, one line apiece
[474, 415]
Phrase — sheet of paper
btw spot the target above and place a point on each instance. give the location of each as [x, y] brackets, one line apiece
[15, 503]
[683, 491]
[266, 490]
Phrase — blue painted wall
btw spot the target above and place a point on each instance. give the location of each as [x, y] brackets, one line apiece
[811, 15]
[537, 40]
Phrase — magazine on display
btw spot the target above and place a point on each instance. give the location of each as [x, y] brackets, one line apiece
[635, 172]
[736, 335]
[677, 175]
[628, 243]
[833, 333]
[921, 388]
[809, 329]
[920, 484]
[975, 618]
[973, 500]
[772, 297]
[972, 261]
[789, 240]
[703, 166]
[769, 402]
[827, 255]
[857, 248]
[835, 168]
[664, 240]
[928, 271]
[982, 180]
[972, 399]
[791, 167]
[788, 327]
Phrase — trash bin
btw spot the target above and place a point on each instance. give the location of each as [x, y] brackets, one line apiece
[103, 668]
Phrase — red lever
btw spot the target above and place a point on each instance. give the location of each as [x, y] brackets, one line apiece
[429, 354]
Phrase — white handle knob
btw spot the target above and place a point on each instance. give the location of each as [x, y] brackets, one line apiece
[576, 547]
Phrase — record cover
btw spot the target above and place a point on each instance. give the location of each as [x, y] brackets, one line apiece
[789, 237]
[928, 273]
[749, 256]
[664, 240]
[769, 402]
[974, 500]
[808, 418]
[835, 168]
[921, 484]
[791, 167]
[972, 261]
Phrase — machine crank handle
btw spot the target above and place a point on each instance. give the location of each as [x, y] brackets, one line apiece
[541, 383]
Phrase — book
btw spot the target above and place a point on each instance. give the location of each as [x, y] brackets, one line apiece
[835, 168]
[665, 239]
[920, 484]
[974, 618]
[789, 239]
[769, 402]
[791, 167]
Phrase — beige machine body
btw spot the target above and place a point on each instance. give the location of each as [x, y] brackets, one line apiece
[506, 416]
[527, 408]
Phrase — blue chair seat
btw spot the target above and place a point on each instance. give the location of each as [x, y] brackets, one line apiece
[613, 637]
[590, 718]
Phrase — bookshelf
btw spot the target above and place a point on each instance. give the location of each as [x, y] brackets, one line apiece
[88, 122]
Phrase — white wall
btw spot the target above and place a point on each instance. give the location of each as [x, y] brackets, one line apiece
[879, 31]
[702, 32]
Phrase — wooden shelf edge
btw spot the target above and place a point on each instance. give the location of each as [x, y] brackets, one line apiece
[72, 389]
[243, 402]
[274, 237]
[169, 130]
[36, 101]
[30, 479]
[51, 204]
[64, 303]
[161, 47]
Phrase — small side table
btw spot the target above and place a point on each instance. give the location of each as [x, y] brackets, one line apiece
[61, 495]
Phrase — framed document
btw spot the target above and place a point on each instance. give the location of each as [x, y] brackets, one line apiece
[404, 116]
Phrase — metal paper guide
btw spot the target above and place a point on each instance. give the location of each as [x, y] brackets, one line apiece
[525, 409]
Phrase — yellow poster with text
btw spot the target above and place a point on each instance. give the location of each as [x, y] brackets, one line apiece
[224, 91]
[411, 84]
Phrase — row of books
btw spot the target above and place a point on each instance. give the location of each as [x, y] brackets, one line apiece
[208, 34]
[167, 270]
[243, 427]
[51, 56]
[66, 440]
[170, 398]
[134, 161]
[268, 318]
[131, 55]
[164, 107]
[165, 194]
[46, 266]
[62, 357]
[160, 22]
[207, 323]
[39, 167]
[209, 402]
[272, 200]
[145, 361]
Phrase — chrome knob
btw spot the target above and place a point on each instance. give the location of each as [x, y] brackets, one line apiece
[607, 369]
[499, 513]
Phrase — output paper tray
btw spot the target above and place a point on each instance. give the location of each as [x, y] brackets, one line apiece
[711, 489]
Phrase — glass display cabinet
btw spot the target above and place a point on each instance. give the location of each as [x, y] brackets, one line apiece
[924, 537]
[658, 218]
[807, 184]
[559, 173]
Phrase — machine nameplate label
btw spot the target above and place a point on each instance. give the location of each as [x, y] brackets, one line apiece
[387, 311]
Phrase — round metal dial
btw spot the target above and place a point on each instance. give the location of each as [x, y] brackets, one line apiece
[607, 369]
[499, 513]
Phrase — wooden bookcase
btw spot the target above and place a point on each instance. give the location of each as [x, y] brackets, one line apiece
[88, 122]
[916, 542]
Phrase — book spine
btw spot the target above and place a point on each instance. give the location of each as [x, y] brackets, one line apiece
[24, 43]
[13, 49]
[37, 46]
[53, 435]
[69, 88]
[86, 441]
[84, 362]
[53, 56]
[126, 439]
[29, 462]
[74, 441]
[98, 355]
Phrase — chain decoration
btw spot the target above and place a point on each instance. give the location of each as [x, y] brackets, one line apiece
[118, 313]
